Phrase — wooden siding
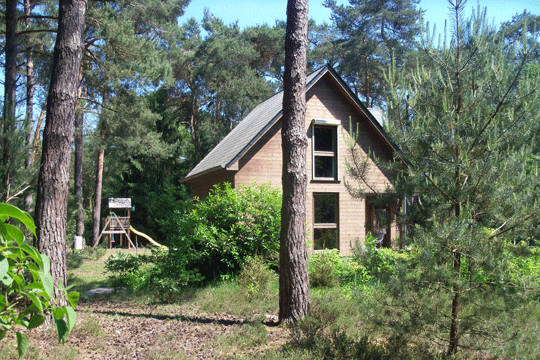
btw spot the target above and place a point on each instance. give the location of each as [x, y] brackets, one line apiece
[204, 183]
[263, 162]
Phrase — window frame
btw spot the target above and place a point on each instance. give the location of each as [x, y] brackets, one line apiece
[323, 226]
[334, 154]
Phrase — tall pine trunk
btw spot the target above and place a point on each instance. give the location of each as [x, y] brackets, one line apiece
[53, 182]
[96, 213]
[30, 85]
[78, 169]
[10, 90]
[293, 276]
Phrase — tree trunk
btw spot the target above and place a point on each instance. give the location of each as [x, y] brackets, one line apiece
[30, 85]
[10, 90]
[53, 182]
[454, 319]
[78, 169]
[293, 276]
[96, 214]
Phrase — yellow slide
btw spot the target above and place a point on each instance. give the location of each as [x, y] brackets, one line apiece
[147, 238]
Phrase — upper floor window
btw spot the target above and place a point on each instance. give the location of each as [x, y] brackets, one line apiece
[325, 151]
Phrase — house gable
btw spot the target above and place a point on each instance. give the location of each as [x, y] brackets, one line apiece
[328, 100]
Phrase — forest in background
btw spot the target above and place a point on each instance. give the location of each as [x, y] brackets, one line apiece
[158, 91]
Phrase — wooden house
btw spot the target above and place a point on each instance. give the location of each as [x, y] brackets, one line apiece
[252, 152]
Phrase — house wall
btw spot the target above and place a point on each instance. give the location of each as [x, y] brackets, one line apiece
[263, 162]
[203, 184]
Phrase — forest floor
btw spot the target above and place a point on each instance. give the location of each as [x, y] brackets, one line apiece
[119, 326]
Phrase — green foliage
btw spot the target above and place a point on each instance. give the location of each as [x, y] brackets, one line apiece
[227, 226]
[465, 131]
[326, 332]
[26, 285]
[211, 240]
[381, 263]
[255, 277]
[322, 268]
[163, 273]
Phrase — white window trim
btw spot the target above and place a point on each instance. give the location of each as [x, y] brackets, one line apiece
[326, 225]
[329, 123]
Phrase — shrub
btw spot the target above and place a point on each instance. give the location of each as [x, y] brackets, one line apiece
[330, 331]
[322, 268]
[229, 225]
[328, 268]
[26, 285]
[255, 277]
[163, 273]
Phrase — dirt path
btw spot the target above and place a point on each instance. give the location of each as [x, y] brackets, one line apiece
[131, 330]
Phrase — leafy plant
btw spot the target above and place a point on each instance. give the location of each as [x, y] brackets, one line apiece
[229, 225]
[255, 277]
[26, 285]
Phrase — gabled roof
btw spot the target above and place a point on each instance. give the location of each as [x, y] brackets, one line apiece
[259, 120]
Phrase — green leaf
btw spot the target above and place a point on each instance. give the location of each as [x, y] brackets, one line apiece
[16, 213]
[22, 343]
[3, 334]
[59, 313]
[36, 301]
[4, 266]
[48, 283]
[36, 321]
[46, 263]
[62, 330]
[33, 253]
[13, 232]
[73, 298]
[71, 317]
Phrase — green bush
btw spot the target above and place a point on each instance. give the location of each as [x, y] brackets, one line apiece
[382, 263]
[163, 273]
[330, 331]
[255, 277]
[229, 225]
[322, 268]
[26, 285]
[328, 268]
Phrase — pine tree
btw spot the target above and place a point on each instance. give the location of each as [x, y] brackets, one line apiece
[371, 32]
[464, 121]
[293, 276]
[53, 183]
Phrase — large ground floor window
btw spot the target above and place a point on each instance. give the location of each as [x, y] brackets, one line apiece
[325, 222]
[378, 222]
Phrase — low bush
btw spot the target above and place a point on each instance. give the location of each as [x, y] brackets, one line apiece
[163, 273]
[331, 332]
[328, 268]
[255, 277]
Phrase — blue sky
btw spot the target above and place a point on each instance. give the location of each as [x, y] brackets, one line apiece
[256, 12]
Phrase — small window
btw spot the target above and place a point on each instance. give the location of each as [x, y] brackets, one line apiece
[325, 152]
[325, 214]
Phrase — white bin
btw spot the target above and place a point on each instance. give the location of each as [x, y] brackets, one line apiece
[78, 243]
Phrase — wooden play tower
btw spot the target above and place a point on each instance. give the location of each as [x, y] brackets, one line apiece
[118, 223]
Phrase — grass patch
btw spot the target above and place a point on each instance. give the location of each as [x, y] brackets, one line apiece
[231, 298]
[86, 268]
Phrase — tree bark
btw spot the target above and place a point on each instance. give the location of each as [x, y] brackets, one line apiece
[30, 85]
[96, 213]
[78, 169]
[10, 90]
[53, 182]
[293, 276]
